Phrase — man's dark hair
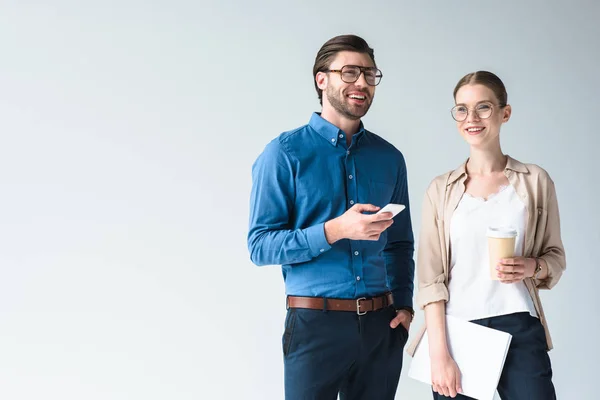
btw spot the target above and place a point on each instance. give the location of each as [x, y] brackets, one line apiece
[331, 48]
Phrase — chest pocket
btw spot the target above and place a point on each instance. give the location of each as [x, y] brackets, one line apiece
[380, 193]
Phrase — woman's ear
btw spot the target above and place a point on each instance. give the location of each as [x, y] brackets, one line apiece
[507, 113]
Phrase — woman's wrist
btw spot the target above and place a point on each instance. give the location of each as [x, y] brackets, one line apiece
[530, 267]
[541, 269]
[439, 354]
[535, 268]
[438, 349]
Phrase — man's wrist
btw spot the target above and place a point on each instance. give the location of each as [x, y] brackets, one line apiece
[332, 234]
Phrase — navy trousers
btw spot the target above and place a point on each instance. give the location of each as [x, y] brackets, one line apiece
[327, 353]
[527, 373]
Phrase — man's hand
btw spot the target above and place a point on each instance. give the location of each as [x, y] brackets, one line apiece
[511, 270]
[402, 317]
[355, 225]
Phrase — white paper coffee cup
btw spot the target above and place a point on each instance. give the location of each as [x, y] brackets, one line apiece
[501, 244]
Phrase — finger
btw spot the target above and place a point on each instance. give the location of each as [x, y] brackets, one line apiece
[452, 383]
[505, 276]
[511, 277]
[445, 390]
[458, 383]
[511, 281]
[396, 321]
[516, 269]
[436, 388]
[452, 390]
[376, 228]
[384, 216]
[505, 268]
[382, 225]
[511, 268]
[507, 261]
[374, 222]
[518, 261]
[365, 208]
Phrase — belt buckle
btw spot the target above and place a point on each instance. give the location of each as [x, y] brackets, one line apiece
[358, 306]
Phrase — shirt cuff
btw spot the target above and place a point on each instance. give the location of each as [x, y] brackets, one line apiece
[551, 279]
[315, 235]
[402, 299]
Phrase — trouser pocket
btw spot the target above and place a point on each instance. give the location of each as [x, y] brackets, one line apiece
[290, 322]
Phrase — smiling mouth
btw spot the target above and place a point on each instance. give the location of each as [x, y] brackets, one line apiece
[357, 97]
[474, 131]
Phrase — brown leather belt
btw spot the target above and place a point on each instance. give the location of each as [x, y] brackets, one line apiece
[360, 306]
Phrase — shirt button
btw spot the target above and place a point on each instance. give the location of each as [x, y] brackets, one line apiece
[333, 140]
[322, 250]
[356, 253]
[358, 278]
[348, 152]
[351, 201]
[350, 176]
[341, 136]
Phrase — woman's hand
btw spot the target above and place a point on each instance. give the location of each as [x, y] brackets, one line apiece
[515, 269]
[445, 376]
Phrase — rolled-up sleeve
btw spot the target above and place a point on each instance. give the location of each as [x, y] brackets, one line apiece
[430, 265]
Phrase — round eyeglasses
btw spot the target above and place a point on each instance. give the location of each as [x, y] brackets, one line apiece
[351, 73]
[482, 110]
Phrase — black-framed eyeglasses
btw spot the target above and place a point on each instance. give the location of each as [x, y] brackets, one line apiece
[482, 110]
[351, 73]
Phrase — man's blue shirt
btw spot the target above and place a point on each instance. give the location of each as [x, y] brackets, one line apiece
[308, 176]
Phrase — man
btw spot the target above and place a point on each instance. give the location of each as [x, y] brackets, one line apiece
[348, 271]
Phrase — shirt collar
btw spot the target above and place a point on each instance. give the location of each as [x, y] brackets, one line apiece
[511, 165]
[328, 131]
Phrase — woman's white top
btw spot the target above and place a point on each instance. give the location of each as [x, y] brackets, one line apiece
[473, 294]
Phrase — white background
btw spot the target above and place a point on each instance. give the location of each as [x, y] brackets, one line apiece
[128, 132]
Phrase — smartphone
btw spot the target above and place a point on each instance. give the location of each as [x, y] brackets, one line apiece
[393, 208]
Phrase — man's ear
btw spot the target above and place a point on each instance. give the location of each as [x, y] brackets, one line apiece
[321, 79]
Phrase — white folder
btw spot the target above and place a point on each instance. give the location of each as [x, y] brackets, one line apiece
[479, 352]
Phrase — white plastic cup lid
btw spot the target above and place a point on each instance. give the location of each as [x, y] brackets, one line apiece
[501, 232]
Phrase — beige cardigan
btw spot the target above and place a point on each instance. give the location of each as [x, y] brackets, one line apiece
[542, 237]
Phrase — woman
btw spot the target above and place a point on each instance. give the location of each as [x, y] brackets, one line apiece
[490, 189]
